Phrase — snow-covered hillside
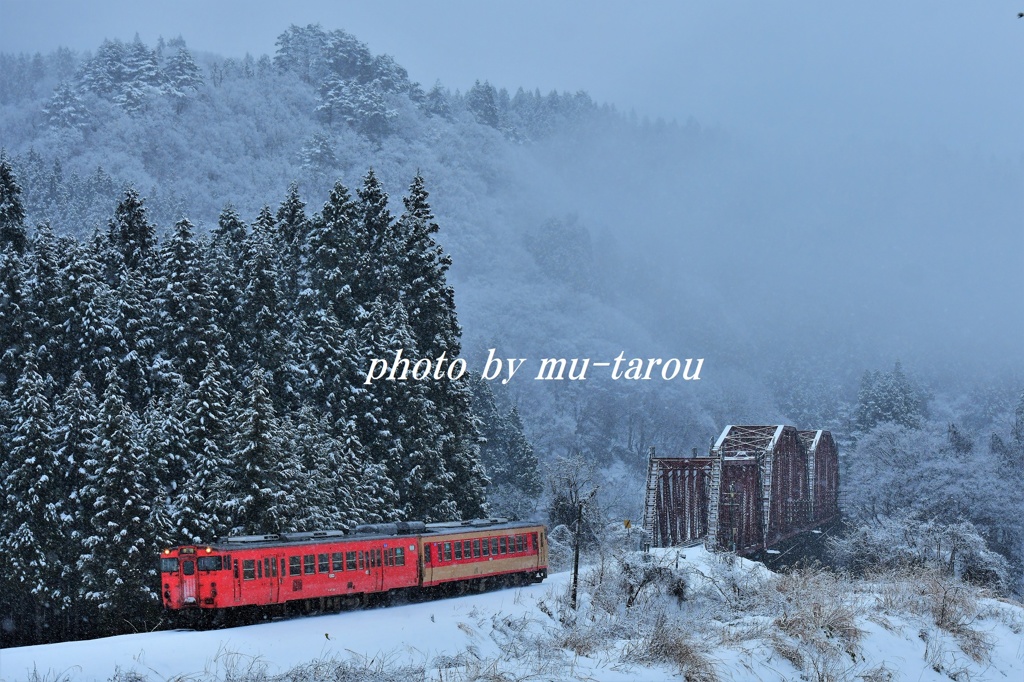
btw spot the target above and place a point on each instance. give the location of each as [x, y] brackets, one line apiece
[733, 621]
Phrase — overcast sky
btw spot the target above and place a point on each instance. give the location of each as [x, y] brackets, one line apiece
[946, 73]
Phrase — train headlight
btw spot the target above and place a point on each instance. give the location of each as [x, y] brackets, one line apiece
[209, 549]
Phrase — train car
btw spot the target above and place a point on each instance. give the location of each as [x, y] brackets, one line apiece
[474, 555]
[330, 570]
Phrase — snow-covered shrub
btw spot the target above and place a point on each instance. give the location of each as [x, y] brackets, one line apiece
[945, 603]
[731, 582]
[639, 573]
[668, 641]
[560, 546]
[907, 541]
[817, 602]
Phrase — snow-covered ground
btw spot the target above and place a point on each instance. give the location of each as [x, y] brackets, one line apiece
[523, 634]
[418, 632]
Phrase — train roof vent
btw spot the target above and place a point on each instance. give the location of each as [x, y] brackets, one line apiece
[445, 524]
[484, 522]
[298, 537]
[249, 538]
[410, 527]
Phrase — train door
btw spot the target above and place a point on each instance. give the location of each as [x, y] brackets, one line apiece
[189, 581]
[426, 563]
[377, 569]
[267, 573]
[275, 577]
[236, 582]
[378, 576]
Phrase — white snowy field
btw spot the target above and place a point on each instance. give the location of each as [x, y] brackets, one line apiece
[525, 634]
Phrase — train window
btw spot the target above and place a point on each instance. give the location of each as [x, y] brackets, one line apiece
[458, 550]
[248, 569]
[236, 569]
[259, 568]
[267, 563]
[336, 562]
[168, 565]
[350, 561]
[309, 563]
[377, 553]
[282, 568]
[294, 565]
[209, 563]
[323, 563]
[447, 551]
[362, 560]
[467, 549]
[486, 547]
[426, 554]
[476, 548]
[519, 543]
[399, 556]
[273, 568]
[535, 545]
[494, 546]
[503, 545]
[188, 568]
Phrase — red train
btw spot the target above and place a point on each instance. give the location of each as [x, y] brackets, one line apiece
[263, 575]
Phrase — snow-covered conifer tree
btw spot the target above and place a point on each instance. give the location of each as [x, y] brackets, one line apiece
[264, 481]
[293, 236]
[66, 108]
[889, 396]
[85, 301]
[181, 78]
[225, 259]
[399, 423]
[422, 281]
[36, 521]
[118, 572]
[186, 315]
[131, 236]
[480, 100]
[378, 247]
[334, 275]
[203, 501]
[12, 211]
[263, 316]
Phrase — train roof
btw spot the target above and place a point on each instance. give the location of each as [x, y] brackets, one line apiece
[457, 527]
[378, 531]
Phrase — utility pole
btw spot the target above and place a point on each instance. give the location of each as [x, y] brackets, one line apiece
[576, 545]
